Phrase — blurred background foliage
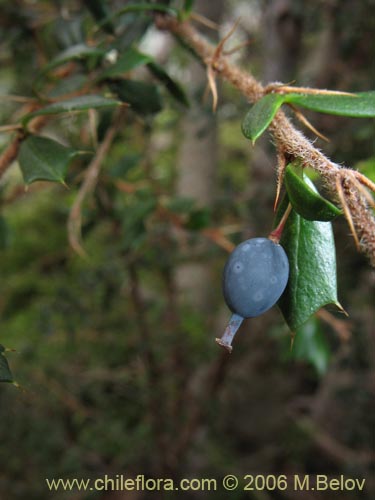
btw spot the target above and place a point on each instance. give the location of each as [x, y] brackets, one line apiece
[115, 353]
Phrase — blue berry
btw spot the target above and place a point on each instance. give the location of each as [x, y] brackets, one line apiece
[255, 275]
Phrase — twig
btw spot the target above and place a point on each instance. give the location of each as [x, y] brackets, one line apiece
[290, 141]
[10, 153]
[88, 185]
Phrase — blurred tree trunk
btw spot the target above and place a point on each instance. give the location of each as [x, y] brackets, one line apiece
[281, 31]
[197, 163]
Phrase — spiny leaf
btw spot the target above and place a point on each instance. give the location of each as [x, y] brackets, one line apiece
[79, 51]
[305, 200]
[43, 159]
[81, 103]
[5, 373]
[358, 105]
[144, 98]
[127, 61]
[312, 280]
[261, 115]
[171, 85]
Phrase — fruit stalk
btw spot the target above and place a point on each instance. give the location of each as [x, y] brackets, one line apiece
[276, 234]
[230, 331]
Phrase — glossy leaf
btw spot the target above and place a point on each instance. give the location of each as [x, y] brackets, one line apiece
[81, 103]
[5, 373]
[311, 345]
[80, 52]
[261, 115]
[359, 105]
[127, 61]
[312, 259]
[304, 199]
[171, 85]
[42, 159]
[144, 98]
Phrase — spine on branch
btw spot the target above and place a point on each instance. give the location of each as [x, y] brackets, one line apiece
[345, 184]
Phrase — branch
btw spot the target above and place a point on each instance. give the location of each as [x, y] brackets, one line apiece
[88, 185]
[289, 141]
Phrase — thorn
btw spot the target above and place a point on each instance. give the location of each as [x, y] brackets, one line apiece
[364, 180]
[345, 207]
[276, 234]
[307, 90]
[302, 118]
[203, 20]
[370, 200]
[220, 46]
[213, 87]
[281, 166]
[237, 47]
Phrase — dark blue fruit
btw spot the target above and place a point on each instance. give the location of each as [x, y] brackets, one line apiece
[255, 276]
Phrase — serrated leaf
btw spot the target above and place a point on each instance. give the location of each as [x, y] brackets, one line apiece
[127, 61]
[42, 159]
[171, 85]
[312, 261]
[144, 98]
[5, 373]
[305, 200]
[311, 345]
[81, 103]
[261, 115]
[79, 51]
[358, 105]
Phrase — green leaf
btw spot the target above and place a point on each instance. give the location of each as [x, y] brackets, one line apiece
[101, 13]
[185, 12]
[42, 159]
[198, 219]
[127, 61]
[261, 115]
[312, 260]
[5, 373]
[359, 105]
[138, 7]
[311, 345]
[171, 85]
[81, 103]
[68, 85]
[79, 51]
[304, 199]
[144, 98]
